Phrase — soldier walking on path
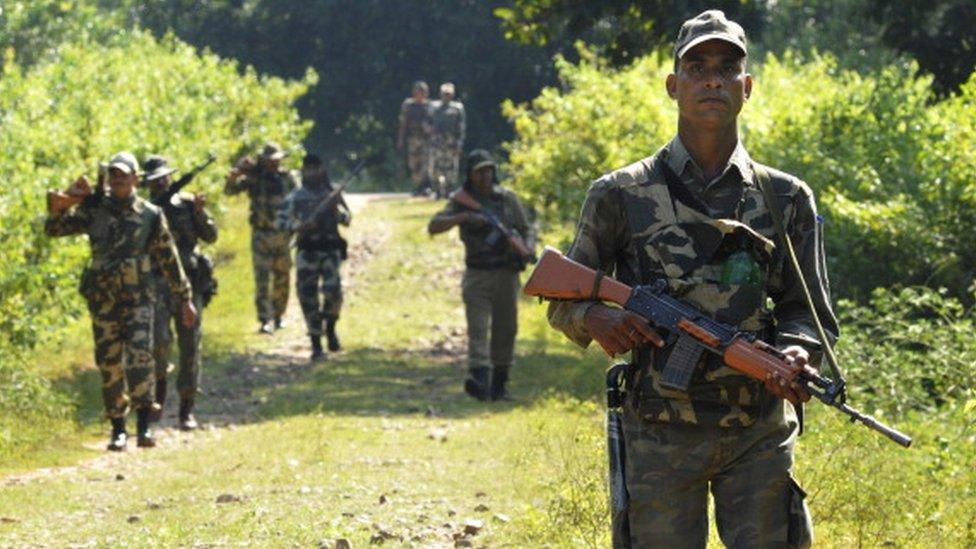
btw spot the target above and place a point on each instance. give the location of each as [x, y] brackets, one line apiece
[491, 284]
[695, 215]
[447, 140]
[414, 134]
[314, 211]
[128, 237]
[189, 222]
[267, 185]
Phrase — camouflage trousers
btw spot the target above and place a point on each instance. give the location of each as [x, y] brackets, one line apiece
[671, 467]
[123, 330]
[444, 161]
[190, 341]
[271, 256]
[318, 274]
[491, 308]
[418, 159]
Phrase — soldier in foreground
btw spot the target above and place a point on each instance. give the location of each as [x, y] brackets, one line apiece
[128, 237]
[314, 211]
[694, 215]
[490, 285]
[447, 140]
[189, 222]
[267, 185]
[414, 134]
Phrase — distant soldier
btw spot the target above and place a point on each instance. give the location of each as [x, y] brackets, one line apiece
[414, 133]
[490, 286]
[128, 236]
[189, 223]
[447, 140]
[315, 211]
[267, 185]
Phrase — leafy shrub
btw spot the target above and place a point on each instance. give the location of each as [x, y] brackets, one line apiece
[63, 114]
[892, 168]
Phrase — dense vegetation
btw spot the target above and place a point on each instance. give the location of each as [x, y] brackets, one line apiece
[80, 104]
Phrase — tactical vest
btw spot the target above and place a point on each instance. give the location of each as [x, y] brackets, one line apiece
[689, 249]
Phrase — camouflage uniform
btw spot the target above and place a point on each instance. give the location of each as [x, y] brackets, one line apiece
[270, 250]
[446, 143]
[727, 432]
[127, 237]
[320, 254]
[490, 285]
[415, 119]
[188, 225]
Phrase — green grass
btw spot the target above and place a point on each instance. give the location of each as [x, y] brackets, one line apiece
[312, 450]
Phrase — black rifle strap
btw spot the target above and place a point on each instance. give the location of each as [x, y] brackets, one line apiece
[765, 184]
[595, 293]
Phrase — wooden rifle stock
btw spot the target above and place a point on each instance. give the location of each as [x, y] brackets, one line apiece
[464, 198]
[559, 277]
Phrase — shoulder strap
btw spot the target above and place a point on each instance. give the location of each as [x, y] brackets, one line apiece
[776, 212]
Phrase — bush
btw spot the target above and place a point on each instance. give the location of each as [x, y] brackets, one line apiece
[63, 114]
[892, 167]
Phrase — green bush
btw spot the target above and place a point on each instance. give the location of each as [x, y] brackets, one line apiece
[892, 167]
[63, 114]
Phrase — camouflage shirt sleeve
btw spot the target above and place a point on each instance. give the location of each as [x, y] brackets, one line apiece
[795, 325]
[163, 251]
[286, 219]
[462, 125]
[204, 225]
[237, 186]
[68, 222]
[600, 236]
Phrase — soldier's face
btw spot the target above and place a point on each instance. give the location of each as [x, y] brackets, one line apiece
[710, 84]
[160, 184]
[271, 164]
[420, 94]
[447, 97]
[482, 179]
[120, 183]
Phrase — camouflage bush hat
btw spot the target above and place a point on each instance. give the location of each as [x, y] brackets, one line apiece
[157, 167]
[125, 162]
[272, 151]
[709, 25]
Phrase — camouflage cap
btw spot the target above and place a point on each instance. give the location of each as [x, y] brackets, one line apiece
[125, 162]
[272, 151]
[709, 25]
[157, 167]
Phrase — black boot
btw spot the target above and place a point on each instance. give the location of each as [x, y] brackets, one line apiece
[477, 383]
[317, 353]
[156, 413]
[498, 380]
[118, 439]
[187, 421]
[330, 333]
[145, 438]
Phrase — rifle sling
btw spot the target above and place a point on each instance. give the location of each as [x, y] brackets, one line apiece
[595, 293]
[765, 184]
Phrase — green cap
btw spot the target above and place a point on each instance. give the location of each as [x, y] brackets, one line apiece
[709, 25]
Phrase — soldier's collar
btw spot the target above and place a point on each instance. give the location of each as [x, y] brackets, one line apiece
[678, 158]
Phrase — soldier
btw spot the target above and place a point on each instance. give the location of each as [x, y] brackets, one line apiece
[414, 133]
[694, 215]
[321, 250]
[490, 285]
[128, 236]
[189, 222]
[267, 185]
[446, 140]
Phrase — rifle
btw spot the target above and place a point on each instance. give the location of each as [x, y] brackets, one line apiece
[619, 496]
[463, 198]
[335, 197]
[183, 181]
[62, 200]
[691, 332]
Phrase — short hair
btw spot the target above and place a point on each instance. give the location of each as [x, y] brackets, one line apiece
[421, 85]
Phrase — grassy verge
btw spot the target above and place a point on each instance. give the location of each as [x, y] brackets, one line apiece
[379, 443]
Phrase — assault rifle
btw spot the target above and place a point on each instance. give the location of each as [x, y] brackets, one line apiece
[499, 230]
[616, 453]
[335, 197]
[691, 332]
[183, 181]
[80, 191]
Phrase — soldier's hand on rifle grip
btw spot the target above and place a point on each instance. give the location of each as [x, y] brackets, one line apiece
[199, 202]
[190, 314]
[791, 389]
[80, 188]
[618, 330]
